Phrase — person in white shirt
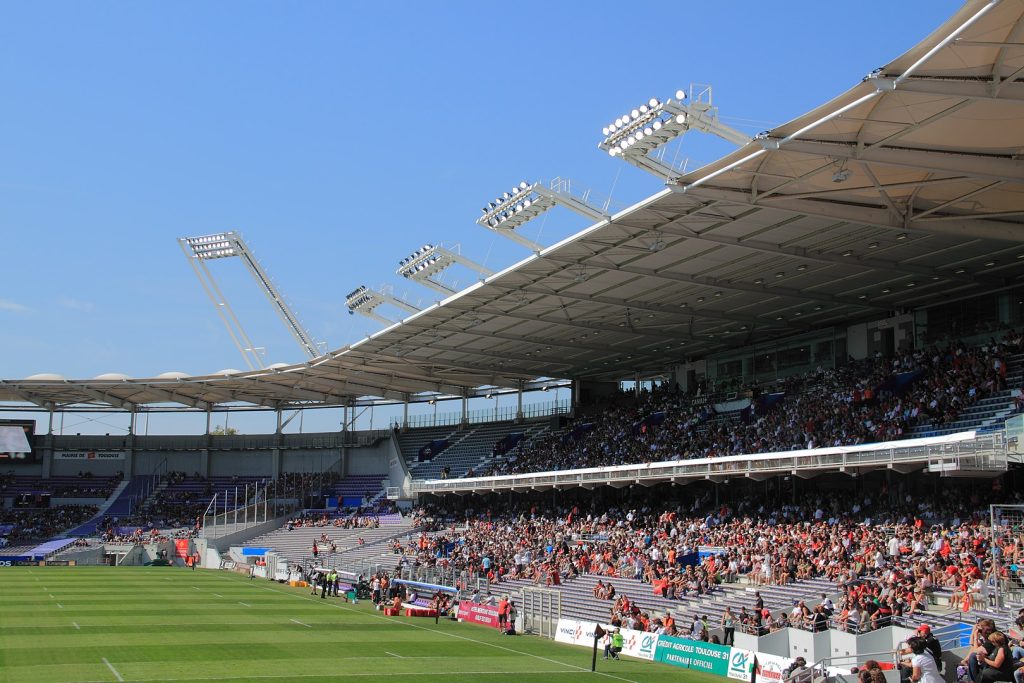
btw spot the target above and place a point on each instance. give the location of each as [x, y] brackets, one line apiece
[925, 670]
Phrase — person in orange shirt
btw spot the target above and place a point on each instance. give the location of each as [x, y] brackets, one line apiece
[503, 614]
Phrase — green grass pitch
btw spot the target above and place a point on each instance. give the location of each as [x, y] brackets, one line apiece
[76, 624]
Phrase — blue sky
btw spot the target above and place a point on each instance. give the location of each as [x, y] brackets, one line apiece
[339, 137]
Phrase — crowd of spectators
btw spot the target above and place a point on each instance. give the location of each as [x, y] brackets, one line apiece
[299, 484]
[21, 525]
[886, 550]
[88, 486]
[869, 401]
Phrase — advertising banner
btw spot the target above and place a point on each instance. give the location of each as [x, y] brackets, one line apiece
[770, 667]
[741, 664]
[691, 654]
[181, 547]
[639, 644]
[475, 613]
[88, 455]
[634, 643]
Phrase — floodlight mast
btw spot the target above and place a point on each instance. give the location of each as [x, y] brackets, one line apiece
[526, 201]
[633, 136]
[364, 301]
[213, 246]
[228, 244]
[430, 260]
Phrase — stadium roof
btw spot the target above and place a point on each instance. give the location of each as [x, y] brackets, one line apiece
[905, 191]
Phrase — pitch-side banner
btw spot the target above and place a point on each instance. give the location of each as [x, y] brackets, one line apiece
[770, 668]
[89, 455]
[634, 643]
[731, 662]
[475, 613]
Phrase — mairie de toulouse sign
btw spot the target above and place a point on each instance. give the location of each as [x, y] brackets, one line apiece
[88, 455]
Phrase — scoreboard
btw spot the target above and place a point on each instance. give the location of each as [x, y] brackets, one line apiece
[29, 426]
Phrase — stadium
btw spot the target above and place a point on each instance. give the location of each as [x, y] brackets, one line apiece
[790, 445]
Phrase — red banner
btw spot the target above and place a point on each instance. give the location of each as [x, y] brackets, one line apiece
[181, 547]
[475, 613]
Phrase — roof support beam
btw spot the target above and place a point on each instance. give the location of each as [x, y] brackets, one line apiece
[984, 166]
[231, 394]
[172, 397]
[423, 371]
[27, 396]
[104, 397]
[842, 213]
[579, 324]
[722, 284]
[966, 88]
[867, 215]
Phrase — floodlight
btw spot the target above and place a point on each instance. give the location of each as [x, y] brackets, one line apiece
[425, 264]
[527, 201]
[638, 134]
[364, 301]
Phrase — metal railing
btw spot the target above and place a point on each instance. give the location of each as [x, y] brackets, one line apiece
[955, 453]
[501, 414]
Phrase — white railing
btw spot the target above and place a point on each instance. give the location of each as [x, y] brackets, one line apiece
[963, 452]
[502, 414]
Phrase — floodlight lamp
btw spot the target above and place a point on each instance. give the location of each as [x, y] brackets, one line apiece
[523, 185]
[643, 109]
[680, 94]
[653, 102]
[680, 119]
[506, 196]
[635, 113]
[605, 131]
[613, 151]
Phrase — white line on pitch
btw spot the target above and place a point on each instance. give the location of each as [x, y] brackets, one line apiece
[60, 605]
[577, 669]
[75, 624]
[244, 604]
[196, 588]
[218, 595]
[393, 654]
[113, 670]
[300, 623]
[51, 595]
[378, 674]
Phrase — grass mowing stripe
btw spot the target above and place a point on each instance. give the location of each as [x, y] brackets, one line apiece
[113, 670]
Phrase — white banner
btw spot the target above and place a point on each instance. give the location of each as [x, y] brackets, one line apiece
[89, 455]
[770, 667]
[634, 643]
[741, 664]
